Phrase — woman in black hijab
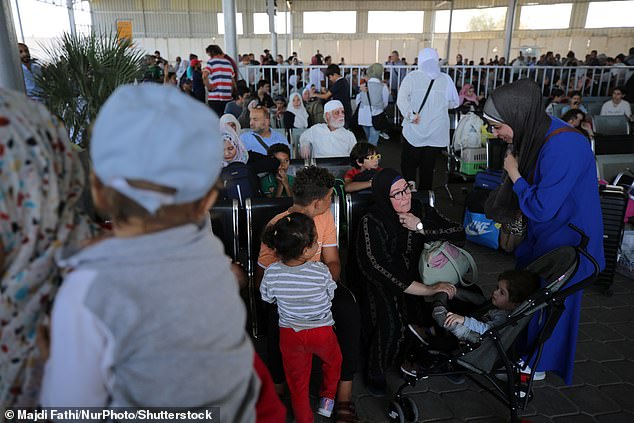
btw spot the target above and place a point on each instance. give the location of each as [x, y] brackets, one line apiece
[389, 242]
[551, 180]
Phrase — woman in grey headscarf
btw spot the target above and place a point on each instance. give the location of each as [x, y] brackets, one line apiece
[372, 101]
[551, 180]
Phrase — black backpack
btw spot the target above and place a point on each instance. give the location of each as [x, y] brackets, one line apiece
[238, 182]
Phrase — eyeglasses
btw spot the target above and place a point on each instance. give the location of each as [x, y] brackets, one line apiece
[398, 195]
[373, 157]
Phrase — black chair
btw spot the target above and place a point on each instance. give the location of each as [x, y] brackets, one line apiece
[613, 144]
[258, 213]
[225, 225]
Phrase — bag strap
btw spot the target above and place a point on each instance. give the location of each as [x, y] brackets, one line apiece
[471, 261]
[552, 134]
[262, 143]
[426, 95]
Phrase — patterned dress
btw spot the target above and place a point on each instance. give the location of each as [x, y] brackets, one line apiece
[41, 180]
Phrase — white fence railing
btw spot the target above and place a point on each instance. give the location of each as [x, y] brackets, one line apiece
[590, 80]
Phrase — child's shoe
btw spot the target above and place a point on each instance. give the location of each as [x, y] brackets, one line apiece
[326, 405]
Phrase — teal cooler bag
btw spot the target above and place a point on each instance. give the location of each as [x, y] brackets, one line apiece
[481, 230]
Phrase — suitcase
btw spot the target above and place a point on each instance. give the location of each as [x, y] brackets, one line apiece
[613, 204]
[489, 179]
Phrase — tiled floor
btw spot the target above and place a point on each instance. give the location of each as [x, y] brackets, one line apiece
[603, 384]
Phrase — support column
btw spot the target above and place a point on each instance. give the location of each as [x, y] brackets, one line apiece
[17, 10]
[270, 7]
[231, 32]
[10, 69]
[508, 29]
[71, 17]
[449, 32]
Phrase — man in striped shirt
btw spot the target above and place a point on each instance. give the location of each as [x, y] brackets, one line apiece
[219, 78]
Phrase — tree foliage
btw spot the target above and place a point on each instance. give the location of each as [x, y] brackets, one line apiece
[79, 74]
[483, 22]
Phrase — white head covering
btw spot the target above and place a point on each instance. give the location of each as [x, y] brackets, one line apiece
[242, 155]
[229, 118]
[149, 142]
[428, 62]
[301, 115]
[332, 105]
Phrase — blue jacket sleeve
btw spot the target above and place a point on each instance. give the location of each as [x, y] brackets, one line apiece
[559, 169]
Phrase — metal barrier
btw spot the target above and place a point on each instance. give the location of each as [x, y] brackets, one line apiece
[590, 80]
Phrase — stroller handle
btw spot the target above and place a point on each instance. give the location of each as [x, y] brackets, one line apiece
[583, 244]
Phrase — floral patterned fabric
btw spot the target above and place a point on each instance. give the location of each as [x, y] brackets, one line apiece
[41, 180]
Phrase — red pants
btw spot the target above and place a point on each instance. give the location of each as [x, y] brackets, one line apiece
[297, 353]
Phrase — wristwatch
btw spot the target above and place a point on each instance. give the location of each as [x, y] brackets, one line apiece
[419, 227]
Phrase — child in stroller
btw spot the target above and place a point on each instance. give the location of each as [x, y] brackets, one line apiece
[495, 353]
[514, 287]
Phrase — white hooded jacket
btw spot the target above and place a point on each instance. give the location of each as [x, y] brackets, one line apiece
[432, 130]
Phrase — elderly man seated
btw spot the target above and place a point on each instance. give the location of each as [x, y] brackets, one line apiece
[260, 138]
[328, 139]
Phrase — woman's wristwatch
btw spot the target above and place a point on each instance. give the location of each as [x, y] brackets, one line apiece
[419, 227]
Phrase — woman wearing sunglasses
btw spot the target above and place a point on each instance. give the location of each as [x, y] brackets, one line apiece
[389, 242]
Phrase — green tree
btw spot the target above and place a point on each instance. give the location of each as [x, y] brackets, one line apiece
[79, 74]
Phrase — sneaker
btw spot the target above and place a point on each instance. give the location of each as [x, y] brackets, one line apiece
[384, 135]
[326, 405]
[524, 373]
[419, 333]
[413, 369]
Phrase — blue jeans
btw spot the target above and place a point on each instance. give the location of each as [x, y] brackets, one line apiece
[371, 134]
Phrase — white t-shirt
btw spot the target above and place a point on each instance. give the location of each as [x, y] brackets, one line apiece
[327, 143]
[611, 109]
[432, 130]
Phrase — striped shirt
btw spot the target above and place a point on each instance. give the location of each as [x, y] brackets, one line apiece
[303, 294]
[221, 74]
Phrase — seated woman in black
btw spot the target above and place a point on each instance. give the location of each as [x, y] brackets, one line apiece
[389, 242]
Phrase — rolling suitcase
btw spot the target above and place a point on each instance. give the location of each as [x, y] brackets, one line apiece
[613, 203]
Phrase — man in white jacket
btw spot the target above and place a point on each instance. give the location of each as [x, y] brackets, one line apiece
[426, 129]
[328, 139]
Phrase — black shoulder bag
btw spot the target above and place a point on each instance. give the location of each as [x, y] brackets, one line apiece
[380, 122]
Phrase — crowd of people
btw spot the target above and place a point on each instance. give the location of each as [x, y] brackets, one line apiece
[124, 333]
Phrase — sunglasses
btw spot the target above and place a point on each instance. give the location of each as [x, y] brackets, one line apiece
[373, 157]
[398, 195]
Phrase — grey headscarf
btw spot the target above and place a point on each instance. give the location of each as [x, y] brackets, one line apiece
[520, 106]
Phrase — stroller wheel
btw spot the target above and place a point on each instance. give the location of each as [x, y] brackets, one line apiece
[404, 410]
[395, 413]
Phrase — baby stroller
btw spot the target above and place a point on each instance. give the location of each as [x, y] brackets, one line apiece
[494, 354]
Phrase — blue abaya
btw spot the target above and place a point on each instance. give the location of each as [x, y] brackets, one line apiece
[564, 190]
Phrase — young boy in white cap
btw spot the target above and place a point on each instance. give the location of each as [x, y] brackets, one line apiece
[152, 316]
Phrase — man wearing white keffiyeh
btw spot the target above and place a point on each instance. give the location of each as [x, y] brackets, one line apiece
[41, 180]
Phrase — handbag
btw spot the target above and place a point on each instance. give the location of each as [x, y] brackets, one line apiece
[512, 234]
[442, 261]
[380, 122]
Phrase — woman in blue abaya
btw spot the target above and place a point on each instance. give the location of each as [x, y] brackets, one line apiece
[551, 179]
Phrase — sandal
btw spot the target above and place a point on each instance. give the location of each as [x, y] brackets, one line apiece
[346, 413]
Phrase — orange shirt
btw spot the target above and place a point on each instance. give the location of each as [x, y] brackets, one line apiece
[326, 237]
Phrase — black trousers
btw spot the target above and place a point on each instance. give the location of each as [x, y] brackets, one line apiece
[421, 160]
[218, 106]
[345, 312]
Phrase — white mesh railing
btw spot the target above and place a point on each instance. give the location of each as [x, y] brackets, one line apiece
[590, 80]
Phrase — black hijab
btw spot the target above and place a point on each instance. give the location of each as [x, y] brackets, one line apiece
[382, 208]
[519, 105]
